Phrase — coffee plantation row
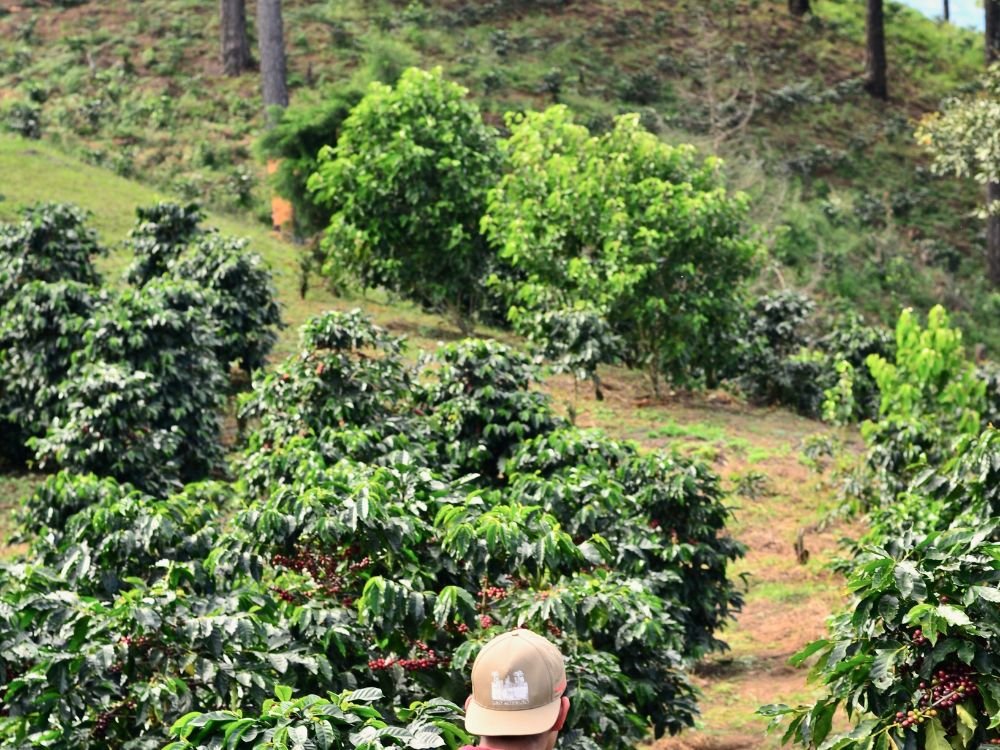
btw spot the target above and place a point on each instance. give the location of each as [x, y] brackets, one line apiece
[913, 658]
[388, 517]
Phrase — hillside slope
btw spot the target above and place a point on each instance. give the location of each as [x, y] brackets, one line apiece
[844, 198]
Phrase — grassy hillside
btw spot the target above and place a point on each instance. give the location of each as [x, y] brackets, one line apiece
[844, 198]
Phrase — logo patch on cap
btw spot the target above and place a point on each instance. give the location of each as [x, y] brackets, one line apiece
[510, 691]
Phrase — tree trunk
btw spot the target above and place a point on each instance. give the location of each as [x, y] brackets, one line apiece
[992, 31]
[798, 7]
[272, 56]
[993, 188]
[876, 82]
[993, 232]
[233, 27]
[947, 10]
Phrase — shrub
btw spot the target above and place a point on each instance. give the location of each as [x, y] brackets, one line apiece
[114, 427]
[50, 243]
[160, 235]
[338, 721]
[403, 515]
[929, 396]
[164, 331]
[480, 406]
[242, 299]
[25, 119]
[63, 495]
[122, 535]
[575, 341]
[911, 661]
[349, 372]
[406, 187]
[295, 141]
[642, 231]
[41, 327]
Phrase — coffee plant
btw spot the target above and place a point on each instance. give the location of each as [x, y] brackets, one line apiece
[243, 301]
[163, 331]
[41, 327]
[339, 721]
[782, 360]
[390, 518]
[114, 426]
[912, 662]
[574, 341]
[160, 235]
[51, 243]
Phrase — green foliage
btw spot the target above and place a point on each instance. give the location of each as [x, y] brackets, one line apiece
[782, 360]
[296, 140]
[391, 518]
[65, 494]
[345, 720]
[113, 427]
[921, 637]
[406, 188]
[931, 377]
[962, 137]
[24, 118]
[641, 231]
[929, 395]
[164, 341]
[480, 406]
[241, 298]
[574, 341]
[41, 327]
[50, 243]
[160, 235]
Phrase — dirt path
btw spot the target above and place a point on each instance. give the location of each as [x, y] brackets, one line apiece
[787, 601]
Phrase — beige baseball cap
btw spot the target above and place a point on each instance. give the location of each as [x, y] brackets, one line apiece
[517, 684]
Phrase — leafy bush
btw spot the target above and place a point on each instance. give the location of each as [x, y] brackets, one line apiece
[114, 427]
[929, 396]
[164, 341]
[480, 406]
[575, 341]
[122, 535]
[24, 118]
[296, 140]
[50, 243]
[243, 300]
[160, 235]
[41, 327]
[782, 360]
[338, 721]
[406, 188]
[642, 231]
[390, 519]
[912, 660]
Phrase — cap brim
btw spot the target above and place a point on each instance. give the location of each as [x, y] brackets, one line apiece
[482, 721]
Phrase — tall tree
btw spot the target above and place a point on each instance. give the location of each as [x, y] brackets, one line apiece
[233, 30]
[963, 140]
[993, 187]
[798, 7]
[947, 10]
[271, 39]
[876, 79]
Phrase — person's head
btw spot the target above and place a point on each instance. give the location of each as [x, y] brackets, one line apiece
[517, 700]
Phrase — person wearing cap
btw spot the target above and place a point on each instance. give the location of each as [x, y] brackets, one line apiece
[517, 701]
